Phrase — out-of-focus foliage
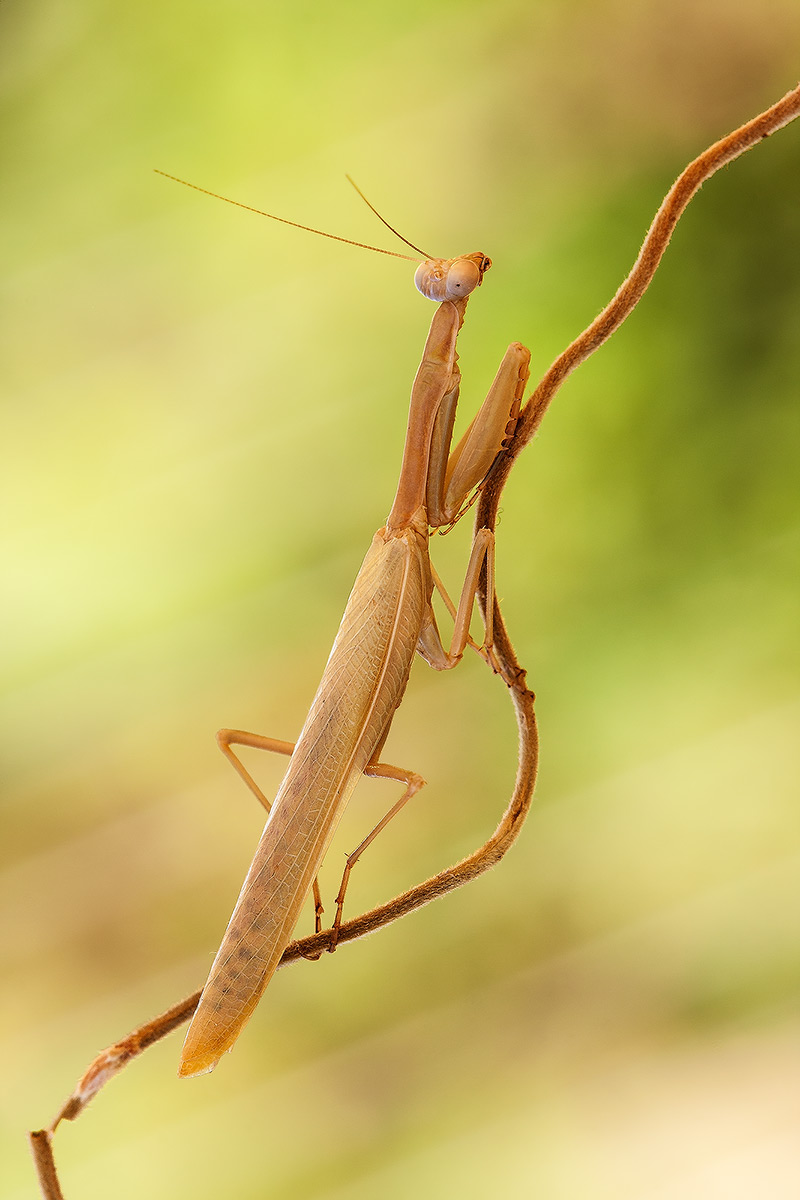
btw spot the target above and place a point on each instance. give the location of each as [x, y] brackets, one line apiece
[202, 417]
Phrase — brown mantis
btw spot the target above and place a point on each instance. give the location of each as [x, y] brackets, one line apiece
[388, 617]
[397, 569]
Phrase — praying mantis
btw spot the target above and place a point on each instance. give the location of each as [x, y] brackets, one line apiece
[387, 619]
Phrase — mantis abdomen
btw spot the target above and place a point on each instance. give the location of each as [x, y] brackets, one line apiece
[362, 685]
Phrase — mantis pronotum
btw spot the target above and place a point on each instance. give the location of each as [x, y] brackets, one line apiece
[398, 560]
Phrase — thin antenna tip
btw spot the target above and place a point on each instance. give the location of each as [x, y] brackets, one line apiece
[383, 220]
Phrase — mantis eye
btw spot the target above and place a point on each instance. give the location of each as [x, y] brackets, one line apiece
[430, 278]
[462, 278]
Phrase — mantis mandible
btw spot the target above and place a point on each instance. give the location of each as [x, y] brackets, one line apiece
[388, 617]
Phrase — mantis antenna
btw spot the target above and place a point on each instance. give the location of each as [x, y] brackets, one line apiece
[308, 228]
[353, 183]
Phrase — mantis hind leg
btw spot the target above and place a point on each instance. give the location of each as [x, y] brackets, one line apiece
[226, 738]
[259, 741]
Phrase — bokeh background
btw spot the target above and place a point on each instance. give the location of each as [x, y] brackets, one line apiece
[202, 419]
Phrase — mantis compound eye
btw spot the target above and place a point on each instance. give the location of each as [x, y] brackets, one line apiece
[430, 278]
[462, 278]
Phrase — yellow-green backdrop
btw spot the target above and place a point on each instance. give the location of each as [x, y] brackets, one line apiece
[202, 417]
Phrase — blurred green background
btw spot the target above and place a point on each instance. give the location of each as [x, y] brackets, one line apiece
[202, 421]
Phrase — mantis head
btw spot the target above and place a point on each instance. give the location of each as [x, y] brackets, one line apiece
[451, 278]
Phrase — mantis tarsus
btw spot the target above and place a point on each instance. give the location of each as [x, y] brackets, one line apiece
[397, 578]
